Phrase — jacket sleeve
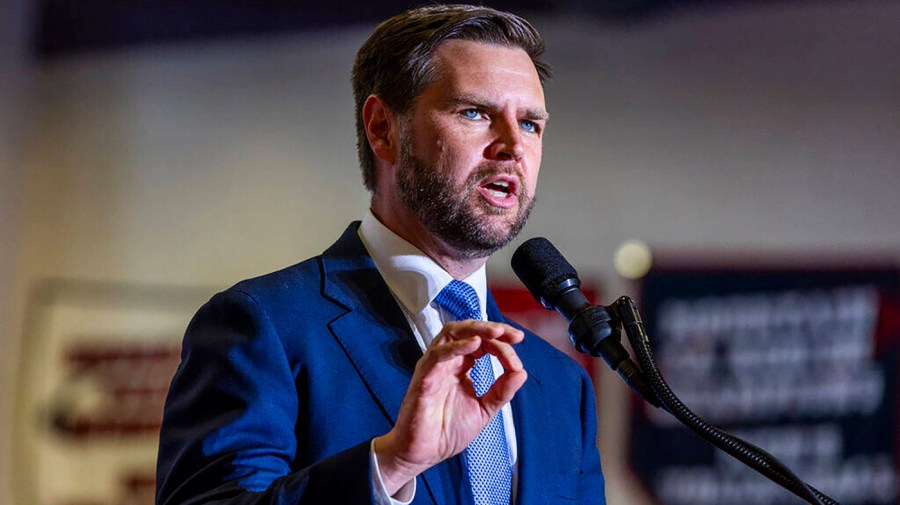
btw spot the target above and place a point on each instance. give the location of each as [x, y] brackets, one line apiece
[228, 432]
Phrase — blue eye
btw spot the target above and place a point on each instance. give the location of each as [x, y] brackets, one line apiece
[529, 126]
[472, 114]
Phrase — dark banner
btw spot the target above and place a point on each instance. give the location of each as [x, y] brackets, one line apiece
[802, 363]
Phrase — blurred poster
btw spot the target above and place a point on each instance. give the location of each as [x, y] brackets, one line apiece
[95, 368]
[802, 363]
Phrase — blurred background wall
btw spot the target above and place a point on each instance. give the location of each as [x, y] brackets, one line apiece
[770, 128]
[14, 78]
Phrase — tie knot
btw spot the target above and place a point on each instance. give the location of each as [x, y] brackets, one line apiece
[460, 300]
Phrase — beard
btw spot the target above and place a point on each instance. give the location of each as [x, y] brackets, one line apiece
[456, 213]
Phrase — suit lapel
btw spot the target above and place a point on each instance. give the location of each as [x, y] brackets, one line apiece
[373, 332]
[533, 437]
[378, 340]
[533, 415]
[528, 403]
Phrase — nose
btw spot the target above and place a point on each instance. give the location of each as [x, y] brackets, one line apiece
[507, 143]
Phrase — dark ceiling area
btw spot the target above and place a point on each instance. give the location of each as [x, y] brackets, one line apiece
[69, 26]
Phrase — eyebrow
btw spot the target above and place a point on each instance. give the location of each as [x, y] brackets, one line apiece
[531, 113]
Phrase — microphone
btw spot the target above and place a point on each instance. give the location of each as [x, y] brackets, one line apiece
[554, 283]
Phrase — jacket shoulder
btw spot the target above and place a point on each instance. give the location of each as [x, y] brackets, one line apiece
[306, 279]
[298, 279]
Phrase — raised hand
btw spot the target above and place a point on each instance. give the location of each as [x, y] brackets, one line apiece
[441, 414]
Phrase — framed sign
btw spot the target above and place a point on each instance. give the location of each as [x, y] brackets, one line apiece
[95, 368]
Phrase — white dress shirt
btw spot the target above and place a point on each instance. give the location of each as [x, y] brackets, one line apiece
[415, 280]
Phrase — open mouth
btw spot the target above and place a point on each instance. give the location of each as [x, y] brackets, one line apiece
[500, 190]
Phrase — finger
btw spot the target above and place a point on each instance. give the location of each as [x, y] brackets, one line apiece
[451, 349]
[511, 335]
[463, 329]
[505, 353]
[443, 366]
[485, 329]
[502, 391]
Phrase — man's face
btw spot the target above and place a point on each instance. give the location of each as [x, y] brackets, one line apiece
[470, 148]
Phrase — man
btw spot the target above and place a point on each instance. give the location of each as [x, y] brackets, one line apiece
[382, 370]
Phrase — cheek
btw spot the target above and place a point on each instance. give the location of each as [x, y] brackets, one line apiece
[444, 146]
[534, 167]
[427, 139]
[459, 152]
[532, 182]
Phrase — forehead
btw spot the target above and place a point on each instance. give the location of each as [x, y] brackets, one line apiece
[490, 71]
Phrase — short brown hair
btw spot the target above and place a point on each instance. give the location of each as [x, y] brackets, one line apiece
[396, 62]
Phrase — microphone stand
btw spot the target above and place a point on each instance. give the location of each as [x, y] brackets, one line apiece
[624, 315]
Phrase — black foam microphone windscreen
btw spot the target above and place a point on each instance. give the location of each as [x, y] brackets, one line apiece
[542, 269]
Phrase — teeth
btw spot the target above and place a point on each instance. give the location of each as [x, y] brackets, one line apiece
[501, 187]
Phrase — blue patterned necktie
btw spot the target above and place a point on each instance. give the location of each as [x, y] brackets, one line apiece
[487, 457]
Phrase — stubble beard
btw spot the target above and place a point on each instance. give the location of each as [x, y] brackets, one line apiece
[456, 213]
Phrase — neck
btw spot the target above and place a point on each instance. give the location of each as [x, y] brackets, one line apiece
[457, 263]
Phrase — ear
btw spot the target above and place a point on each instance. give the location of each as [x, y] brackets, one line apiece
[381, 129]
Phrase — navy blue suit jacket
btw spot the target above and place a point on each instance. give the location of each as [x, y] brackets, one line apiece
[286, 378]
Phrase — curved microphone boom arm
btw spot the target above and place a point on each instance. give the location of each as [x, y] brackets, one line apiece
[596, 330]
[629, 319]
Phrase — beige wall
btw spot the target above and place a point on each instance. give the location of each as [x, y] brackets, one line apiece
[771, 128]
[14, 80]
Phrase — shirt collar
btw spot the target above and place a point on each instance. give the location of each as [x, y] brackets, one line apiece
[414, 278]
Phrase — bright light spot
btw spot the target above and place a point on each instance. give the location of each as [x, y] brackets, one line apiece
[633, 259]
